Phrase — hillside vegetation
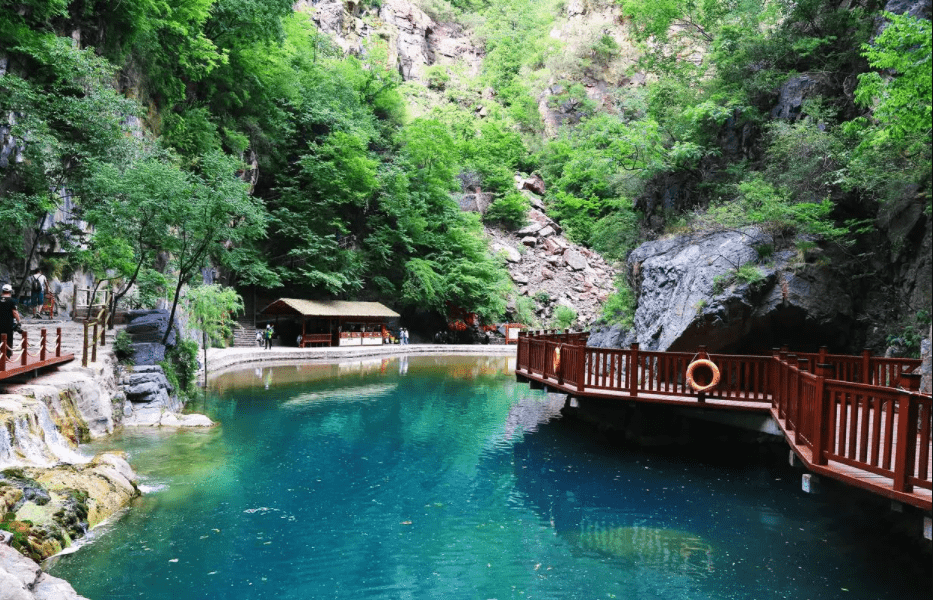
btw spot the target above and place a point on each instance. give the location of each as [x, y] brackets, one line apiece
[644, 119]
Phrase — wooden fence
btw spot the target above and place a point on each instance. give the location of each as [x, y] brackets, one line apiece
[862, 412]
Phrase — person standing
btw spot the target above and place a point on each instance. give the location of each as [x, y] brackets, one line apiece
[269, 333]
[37, 285]
[404, 335]
[8, 316]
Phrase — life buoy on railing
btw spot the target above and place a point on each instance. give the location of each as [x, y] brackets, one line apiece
[702, 375]
[556, 359]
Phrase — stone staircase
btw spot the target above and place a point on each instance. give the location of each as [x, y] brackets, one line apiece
[244, 334]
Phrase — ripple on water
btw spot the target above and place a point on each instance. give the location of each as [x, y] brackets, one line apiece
[426, 482]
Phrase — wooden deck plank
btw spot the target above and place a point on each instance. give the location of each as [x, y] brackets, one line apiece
[32, 364]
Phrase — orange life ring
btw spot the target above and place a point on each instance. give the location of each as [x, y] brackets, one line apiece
[713, 371]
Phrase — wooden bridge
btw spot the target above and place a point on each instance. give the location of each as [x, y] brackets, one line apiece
[857, 419]
[24, 359]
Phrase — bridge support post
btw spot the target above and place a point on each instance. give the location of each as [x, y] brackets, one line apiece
[928, 528]
[810, 483]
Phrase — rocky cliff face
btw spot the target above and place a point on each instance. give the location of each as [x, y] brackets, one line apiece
[414, 40]
[545, 266]
[691, 292]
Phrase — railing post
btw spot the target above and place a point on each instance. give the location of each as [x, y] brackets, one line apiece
[906, 442]
[94, 344]
[58, 342]
[103, 330]
[561, 361]
[824, 351]
[910, 381]
[633, 369]
[822, 414]
[866, 366]
[789, 386]
[25, 355]
[581, 368]
[3, 343]
[799, 419]
[44, 338]
[84, 347]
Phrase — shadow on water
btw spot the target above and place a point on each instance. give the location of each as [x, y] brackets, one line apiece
[730, 516]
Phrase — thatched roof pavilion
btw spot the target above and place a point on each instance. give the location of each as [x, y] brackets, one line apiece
[335, 322]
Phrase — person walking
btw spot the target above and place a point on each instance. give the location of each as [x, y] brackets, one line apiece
[9, 316]
[403, 334]
[38, 285]
[268, 335]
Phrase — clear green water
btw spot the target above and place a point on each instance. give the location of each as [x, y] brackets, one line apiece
[441, 478]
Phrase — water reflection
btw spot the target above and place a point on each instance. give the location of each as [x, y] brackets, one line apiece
[432, 477]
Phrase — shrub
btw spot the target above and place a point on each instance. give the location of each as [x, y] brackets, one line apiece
[436, 77]
[619, 308]
[749, 273]
[181, 366]
[542, 297]
[564, 317]
[123, 348]
[525, 311]
[510, 211]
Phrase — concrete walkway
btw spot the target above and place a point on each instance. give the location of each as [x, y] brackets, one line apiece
[223, 359]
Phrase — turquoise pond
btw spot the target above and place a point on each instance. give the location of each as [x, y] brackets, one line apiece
[442, 478]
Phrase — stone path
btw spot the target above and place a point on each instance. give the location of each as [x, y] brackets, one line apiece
[72, 334]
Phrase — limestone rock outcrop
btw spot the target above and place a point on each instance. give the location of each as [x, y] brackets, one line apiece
[146, 329]
[690, 293]
[48, 508]
[23, 579]
[150, 400]
[414, 39]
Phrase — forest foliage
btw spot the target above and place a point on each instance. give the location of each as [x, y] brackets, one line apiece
[152, 124]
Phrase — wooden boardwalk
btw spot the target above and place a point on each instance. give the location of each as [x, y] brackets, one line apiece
[26, 358]
[843, 416]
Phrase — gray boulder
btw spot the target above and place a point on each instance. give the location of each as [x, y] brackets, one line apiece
[148, 353]
[146, 328]
[688, 295]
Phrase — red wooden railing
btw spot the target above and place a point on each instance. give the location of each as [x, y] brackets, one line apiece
[25, 358]
[862, 411]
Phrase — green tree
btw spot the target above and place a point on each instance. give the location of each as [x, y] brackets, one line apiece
[213, 214]
[894, 147]
[213, 308]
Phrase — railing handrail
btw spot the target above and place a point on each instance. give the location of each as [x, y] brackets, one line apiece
[20, 357]
[880, 423]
